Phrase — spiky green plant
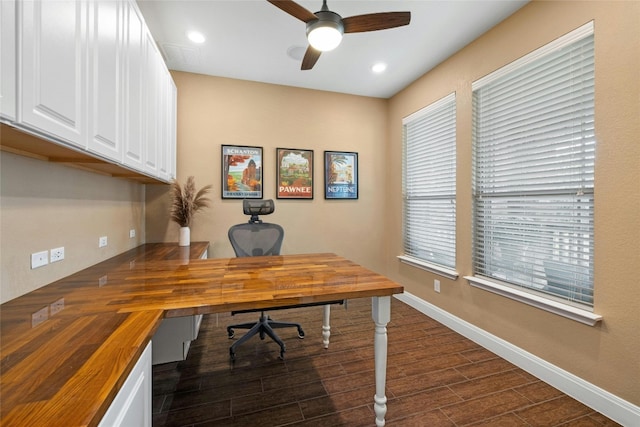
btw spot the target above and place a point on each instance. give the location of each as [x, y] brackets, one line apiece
[187, 201]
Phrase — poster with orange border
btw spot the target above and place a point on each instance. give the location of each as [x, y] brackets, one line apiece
[241, 172]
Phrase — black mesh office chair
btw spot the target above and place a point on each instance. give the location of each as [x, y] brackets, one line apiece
[257, 238]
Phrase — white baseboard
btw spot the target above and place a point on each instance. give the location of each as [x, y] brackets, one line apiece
[619, 410]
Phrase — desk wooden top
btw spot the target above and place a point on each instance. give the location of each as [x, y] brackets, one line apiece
[67, 348]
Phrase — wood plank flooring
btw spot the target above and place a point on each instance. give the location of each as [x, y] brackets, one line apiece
[435, 377]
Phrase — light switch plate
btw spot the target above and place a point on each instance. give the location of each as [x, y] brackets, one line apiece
[39, 259]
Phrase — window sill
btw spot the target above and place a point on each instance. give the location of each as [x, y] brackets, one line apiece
[437, 269]
[565, 310]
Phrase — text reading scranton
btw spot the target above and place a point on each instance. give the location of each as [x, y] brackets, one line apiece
[242, 151]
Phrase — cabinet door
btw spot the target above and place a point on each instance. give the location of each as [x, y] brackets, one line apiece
[167, 137]
[105, 78]
[152, 98]
[173, 128]
[8, 60]
[132, 404]
[53, 68]
[133, 87]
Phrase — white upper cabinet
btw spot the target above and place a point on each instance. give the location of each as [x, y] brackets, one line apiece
[134, 30]
[8, 59]
[167, 136]
[106, 78]
[172, 131]
[152, 98]
[53, 71]
[89, 76]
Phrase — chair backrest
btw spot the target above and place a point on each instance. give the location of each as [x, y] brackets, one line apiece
[256, 239]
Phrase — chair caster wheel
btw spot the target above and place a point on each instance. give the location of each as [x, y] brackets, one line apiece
[300, 333]
[231, 333]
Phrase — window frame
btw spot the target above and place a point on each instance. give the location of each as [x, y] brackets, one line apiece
[484, 275]
[421, 197]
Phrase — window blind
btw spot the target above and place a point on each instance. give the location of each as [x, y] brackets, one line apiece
[429, 183]
[533, 171]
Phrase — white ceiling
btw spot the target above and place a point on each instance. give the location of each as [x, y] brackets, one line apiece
[249, 40]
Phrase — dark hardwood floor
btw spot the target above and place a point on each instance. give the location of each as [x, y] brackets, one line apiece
[435, 377]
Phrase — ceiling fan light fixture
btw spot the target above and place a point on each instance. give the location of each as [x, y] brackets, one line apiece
[325, 34]
[325, 28]
[324, 39]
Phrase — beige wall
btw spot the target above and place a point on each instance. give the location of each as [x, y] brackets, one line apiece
[213, 111]
[46, 205]
[608, 354]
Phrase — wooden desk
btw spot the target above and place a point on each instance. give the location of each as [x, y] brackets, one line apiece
[67, 368]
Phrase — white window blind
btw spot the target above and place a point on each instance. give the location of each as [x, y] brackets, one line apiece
[429, 183]
[534, 156]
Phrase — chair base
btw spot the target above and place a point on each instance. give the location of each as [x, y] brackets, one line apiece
[264, 326]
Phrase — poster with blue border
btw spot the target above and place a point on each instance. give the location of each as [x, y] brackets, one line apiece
[340, 175]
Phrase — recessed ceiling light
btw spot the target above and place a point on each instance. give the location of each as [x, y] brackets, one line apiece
[296, 52]
[196, 37]
[379, 67]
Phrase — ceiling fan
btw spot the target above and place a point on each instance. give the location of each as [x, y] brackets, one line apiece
[325, 28]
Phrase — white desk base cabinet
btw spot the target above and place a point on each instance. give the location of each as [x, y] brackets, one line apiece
[173, 338]
[132, 404]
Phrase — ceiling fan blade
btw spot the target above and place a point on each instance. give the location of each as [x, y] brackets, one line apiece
[375, 21]
[294, 9]
[310, 58]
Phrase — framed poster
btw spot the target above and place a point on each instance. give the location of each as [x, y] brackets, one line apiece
[340, 175]
[294, 171]
[241, 172]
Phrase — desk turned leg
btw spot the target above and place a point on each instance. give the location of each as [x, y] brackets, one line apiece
[381, 311]
[326, 329]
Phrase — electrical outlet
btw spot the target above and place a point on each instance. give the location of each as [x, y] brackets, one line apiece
[102, 242]
[132, 233]
[39, 259]
[436, 286]
[57, 254]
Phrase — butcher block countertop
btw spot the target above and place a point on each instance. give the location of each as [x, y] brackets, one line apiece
[67, 348]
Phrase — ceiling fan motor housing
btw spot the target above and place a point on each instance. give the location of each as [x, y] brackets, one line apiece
[326, 19]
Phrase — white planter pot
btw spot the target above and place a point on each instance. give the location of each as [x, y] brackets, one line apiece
[185, 236]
